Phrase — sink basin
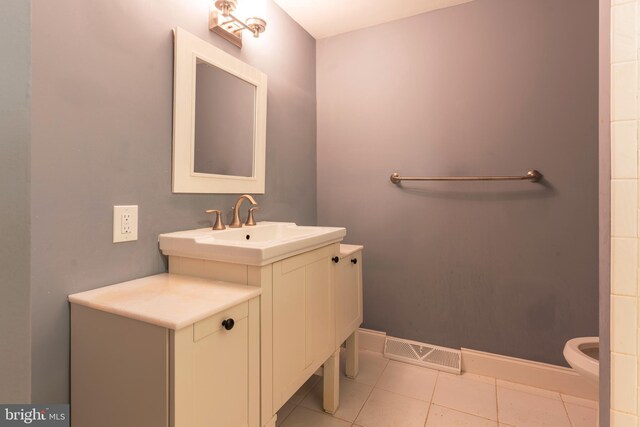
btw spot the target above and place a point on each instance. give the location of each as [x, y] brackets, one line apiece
[261, 244]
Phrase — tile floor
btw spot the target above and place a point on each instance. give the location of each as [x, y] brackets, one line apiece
[393, 394]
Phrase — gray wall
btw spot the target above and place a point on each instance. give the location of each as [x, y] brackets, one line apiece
[491, 87]
[15, 113]
[101, 136]
[605, 208]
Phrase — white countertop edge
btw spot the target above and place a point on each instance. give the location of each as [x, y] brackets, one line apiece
[166, 324]
[247, 260]
[251, 292]
[347, 249]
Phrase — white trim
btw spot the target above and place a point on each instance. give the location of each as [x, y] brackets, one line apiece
[521, 371]
[372, 340]
[187, 49]
[527, 372]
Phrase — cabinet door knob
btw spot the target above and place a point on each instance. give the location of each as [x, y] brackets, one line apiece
[335, 259]
[228, 324]
[354, 260]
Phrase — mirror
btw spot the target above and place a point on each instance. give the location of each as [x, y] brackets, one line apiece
[219, 120]
[221, 149]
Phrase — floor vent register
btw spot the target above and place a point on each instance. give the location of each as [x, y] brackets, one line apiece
[431, 356]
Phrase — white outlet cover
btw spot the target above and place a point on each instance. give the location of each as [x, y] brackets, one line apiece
[120, 233]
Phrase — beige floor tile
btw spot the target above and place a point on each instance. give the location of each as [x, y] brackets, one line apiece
[480, 378]
[580, 401]
[528, 389]
[353, 395]
[440, 416]
[371, 365]
[529, 410]
[303, 417]
[284, 412]
[387, 409]
[581, 416]
[402, 391]
[302, 392]
[467, 393]
[408, 380]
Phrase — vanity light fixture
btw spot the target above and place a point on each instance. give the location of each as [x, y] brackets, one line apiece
[228, 19]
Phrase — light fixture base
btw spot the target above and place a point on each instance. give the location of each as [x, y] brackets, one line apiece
[257, 25]
[227, 28]
[226, 6]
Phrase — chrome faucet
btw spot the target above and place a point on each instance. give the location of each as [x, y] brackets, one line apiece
[236, 209]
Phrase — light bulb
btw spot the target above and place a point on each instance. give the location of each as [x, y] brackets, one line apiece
[251, 9]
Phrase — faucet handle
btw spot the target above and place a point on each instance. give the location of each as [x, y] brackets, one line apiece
[218, 224]
[250, 219]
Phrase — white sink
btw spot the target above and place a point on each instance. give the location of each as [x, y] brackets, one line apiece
[261, 244]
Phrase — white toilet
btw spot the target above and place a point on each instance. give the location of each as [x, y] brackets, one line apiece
[583, 355]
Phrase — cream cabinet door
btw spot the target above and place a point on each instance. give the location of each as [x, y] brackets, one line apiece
[348, 295]
[221, 377]
[303, 332]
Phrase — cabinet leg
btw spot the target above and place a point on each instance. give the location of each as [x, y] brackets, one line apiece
[352, 344]
[331, 383]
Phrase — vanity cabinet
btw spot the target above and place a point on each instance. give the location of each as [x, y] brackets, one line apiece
[302, 311]
[130, 372]
[309, 306]
[348, 292]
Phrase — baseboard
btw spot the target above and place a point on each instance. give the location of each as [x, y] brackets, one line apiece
[521, 371]
[371, 340]
[527, 372]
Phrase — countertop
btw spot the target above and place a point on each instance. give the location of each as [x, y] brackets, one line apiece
[346, 250]
[171, 301]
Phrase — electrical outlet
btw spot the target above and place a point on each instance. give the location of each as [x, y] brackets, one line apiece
[125, 223]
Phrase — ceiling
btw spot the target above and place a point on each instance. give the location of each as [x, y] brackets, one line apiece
[326, 18]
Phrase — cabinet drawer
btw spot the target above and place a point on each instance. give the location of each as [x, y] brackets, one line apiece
[213, 323]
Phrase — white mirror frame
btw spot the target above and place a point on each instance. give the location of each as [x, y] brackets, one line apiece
[188, 48]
